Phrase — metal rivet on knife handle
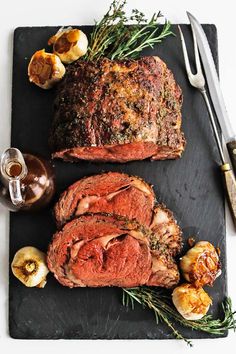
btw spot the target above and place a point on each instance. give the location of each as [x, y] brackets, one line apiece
[225, 167]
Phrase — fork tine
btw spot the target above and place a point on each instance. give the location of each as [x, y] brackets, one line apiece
[196, 53]
[186, 60]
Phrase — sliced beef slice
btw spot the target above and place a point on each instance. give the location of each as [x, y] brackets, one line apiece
[106, 250]
[118, 193]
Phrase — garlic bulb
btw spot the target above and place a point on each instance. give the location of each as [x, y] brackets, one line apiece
[45, 69]
[29, 266]
[200, 265]
[192, 303]
[69, 44]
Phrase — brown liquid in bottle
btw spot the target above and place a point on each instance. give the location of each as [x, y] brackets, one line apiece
[37, 187]
[14, 169]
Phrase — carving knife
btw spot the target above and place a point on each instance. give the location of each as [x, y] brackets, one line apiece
[214, 89]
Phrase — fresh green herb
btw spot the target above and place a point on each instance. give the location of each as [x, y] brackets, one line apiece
[160, 303]
[113, 38]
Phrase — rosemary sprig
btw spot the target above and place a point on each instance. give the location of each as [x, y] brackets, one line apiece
[113, 38]
[164, 311]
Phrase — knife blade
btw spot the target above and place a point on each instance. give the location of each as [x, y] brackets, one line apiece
[214, 89]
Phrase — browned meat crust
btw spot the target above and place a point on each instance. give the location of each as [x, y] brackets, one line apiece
[166, 229]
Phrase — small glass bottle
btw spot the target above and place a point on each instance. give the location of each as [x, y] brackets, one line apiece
[26, 181]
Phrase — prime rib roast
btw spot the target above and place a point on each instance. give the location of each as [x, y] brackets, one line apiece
[118, 111]
[106, 250]
[114, 234]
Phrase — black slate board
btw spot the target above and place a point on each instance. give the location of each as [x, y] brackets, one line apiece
[191, 187]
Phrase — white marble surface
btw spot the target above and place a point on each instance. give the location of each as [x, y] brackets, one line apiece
[51, 12]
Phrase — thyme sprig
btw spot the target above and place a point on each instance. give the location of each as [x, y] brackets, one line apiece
[164, 311]
[113, 38]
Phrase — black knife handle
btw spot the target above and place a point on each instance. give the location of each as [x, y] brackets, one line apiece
[231, 146]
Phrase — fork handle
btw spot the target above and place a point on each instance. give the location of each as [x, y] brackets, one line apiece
[231, 146]
[230, 189]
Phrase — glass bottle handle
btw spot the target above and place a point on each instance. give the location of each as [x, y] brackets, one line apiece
[15, 192]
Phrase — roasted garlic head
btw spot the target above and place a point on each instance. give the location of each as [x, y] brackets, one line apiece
[29, 266]
[45, 69]
[201, 265]
[69, 44]
[192, 303]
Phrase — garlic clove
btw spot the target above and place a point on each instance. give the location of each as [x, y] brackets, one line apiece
[29, 266]
[192, 303]
[201, 264]
[45, 69]
[69, 44]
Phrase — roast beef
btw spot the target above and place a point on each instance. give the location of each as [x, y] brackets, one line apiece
[124, 195]
[99, 250]
[117, 111]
